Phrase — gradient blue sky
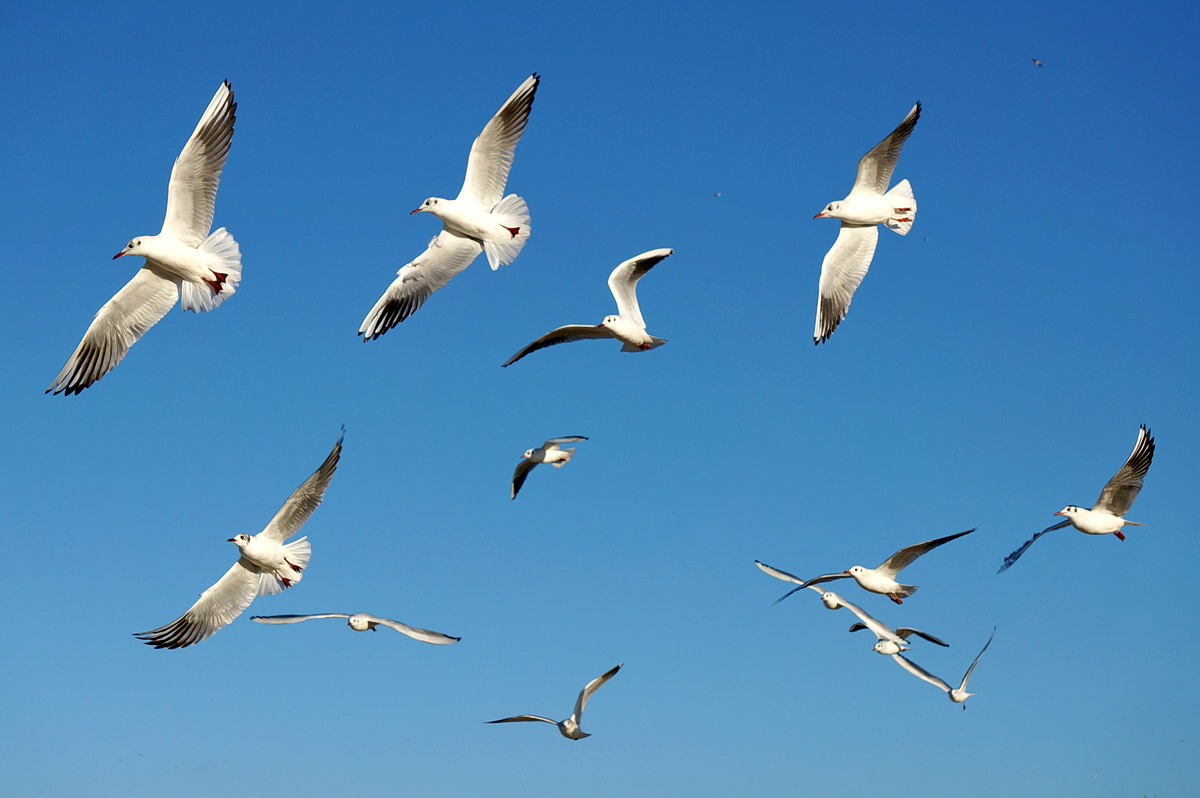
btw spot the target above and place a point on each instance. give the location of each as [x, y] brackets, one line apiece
[995, 366]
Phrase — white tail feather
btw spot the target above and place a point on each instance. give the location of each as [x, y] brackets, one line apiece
[903, 221]
[654, 344]
[560, 463]
[297, 552]
[509, 212]
[227, 260]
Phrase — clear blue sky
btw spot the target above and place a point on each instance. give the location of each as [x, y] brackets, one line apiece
[994, 366]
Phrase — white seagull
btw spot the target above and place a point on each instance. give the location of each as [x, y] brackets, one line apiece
[831, 600]
[958, 695]
[868, 204]
[361, 622]
[627, 326]
[882, 579]
[1107, 515]
[548, 452]
[478, 220]
[569, 728]
[182, 259]
[266, 566]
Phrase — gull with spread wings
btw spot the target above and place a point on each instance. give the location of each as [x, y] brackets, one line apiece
[958, 695]
[362, 622]
[267, 565]
[183, 259]
[569, 728]
[480, 219]
[548, 452]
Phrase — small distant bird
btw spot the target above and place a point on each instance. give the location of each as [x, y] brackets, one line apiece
[266, 566]
[569, 728]
[1037, 62]
[958, 695]
[548, 452]
[882, 578]
[868, 204]
[627, 326]
[1107, 515]
[717, 194]
[478, 220]
[361, 622]
[183, 259]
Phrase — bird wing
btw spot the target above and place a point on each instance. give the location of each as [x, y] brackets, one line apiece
[905, 631]
[519, 718]
[785, 576]
[586, 692]
[920, 673]
[519, 474]
[278, 619]
[1012, 558]
[881, 630]
[568, 439]
[816, 580]
[117, 326]
[623, 282]
[967, 675]
[876, 167]
[304, 499]
[561, 335]
[1118, 495]
[192, 192]
[447, 255]
[424, 635]
[217, 606]
[844, 267]
[903, 558]
[492, 153]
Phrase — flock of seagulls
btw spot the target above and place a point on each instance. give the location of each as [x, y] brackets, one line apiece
[186, 261]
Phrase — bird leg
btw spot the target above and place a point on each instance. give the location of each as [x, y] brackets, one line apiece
[293, 565]
[513, 231]
[217, 283]
[643, 347]
[892, 596]
[1119, 534]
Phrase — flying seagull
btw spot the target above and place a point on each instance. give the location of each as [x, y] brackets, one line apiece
[361, 622]
[627, 326]
[548, 452]
[882, 579]
[182, 259]
[1037, 62]
[1107, 515]
[266, 566]
[958, 695]
[830, 599]
[480, 219]
[868, 204]
[569, 728]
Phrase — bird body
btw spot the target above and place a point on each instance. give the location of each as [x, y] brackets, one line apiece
[1095, 522]
[958, 695]
[364, 622]
[548, 452]
[877, 580]
[569, 727]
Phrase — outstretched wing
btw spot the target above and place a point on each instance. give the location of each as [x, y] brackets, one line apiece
[876, 167]
[447, 255]
[117, 326]
[554, 442]
[192, 192]
[623, 282]
[920, 673]
[520, 718]
[903, 558]
[424, 635]
[586, 692]
[492, 153]
[1016, 555]
[217, 607]
[561, 335]
[1118, 495]
[519, 475]
[278, 619]
[844, 267]
[967, 675]
[304, 499]
[905, 631]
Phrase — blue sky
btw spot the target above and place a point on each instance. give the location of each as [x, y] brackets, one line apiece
[995, 365]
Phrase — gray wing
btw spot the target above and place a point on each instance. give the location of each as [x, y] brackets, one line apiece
[424, 635]
[278, 619]
[522, 471]
[844, 267]
[304, 499]
[561, 335]
[117, 326]
[876, 167]
[217, 607]
[905, 631]
[623, 282]
[1118, 495]
[492, 153]
[447, 255]
[520, 718]
[920, 673]
[967, 675]
[881, 630]
[192, 192]
[554, 442]
[592, 686]
[1012, 558]
[903, 558]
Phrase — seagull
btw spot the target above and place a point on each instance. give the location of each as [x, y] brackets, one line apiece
[361, 622]
[831, 600]
[569, 728]
[882, 579]
[868, 204]
[1107, 515]
[627, 326]
[182, 259]
[1037, 62]
[266, 566]
[548, 452]
[958, 695]
[478, 220]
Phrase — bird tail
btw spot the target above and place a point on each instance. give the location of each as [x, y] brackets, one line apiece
[570, 453]
[906, 210]
[906, 590]
[298, 553]
[654, 344]
[513, 214]
[226, 268]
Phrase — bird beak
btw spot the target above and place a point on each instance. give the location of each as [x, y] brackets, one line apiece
[119, 254]
[598, 326]
[418, 210]
[1059, 512]
[819, 215]
[846, 572]
[231, 540]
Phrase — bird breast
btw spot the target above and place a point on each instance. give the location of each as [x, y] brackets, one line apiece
[178, 258]
[627, 331]
[866, 210]
[266, 554]
[1093, 523]
[470, 220]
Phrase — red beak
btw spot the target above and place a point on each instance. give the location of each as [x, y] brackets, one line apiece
[601, 324]
[418, 210]
[230, 540]
[1059, 512]
[119, 254]
[847, 572]
[819, 215]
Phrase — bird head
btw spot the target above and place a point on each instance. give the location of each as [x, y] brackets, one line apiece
[429, 206]
[831, 600]
[831, 211]
[1069, 511]
[528, 453]
[359, 622]
[856, 570]
[134, 247]
[240, 540]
